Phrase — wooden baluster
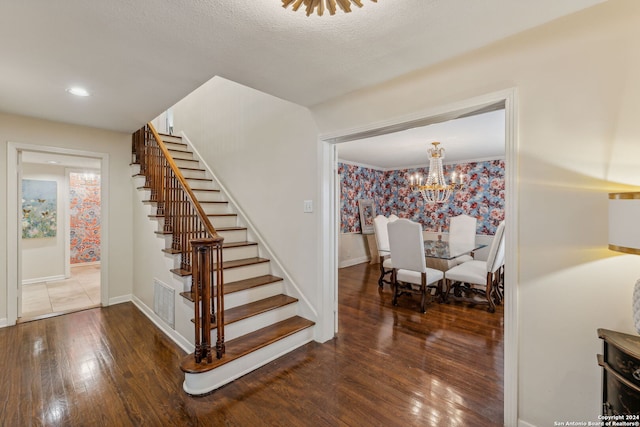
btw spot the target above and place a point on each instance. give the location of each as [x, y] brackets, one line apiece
[203, 269]
[220, 347]
[193, 235]
[202, 309]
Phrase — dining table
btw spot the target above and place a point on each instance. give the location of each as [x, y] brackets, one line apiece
[439, 252]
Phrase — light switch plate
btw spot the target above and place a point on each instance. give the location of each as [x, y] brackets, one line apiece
[308, 206]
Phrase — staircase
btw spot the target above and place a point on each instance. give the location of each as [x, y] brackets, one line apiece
[260, 322]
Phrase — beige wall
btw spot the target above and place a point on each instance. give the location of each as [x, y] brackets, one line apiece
[24, 130]
[578, 83]
[264, 152]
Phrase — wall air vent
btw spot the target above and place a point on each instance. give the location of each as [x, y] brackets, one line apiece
[164, 302]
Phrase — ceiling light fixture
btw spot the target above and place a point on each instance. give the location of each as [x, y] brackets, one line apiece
[78, 91]
[320, 5]
[435, 189]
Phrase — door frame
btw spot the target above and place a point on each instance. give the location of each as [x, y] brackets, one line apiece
[330, 219]
[14, 246]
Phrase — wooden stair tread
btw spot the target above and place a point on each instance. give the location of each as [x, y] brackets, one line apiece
[213, 190]
[248, 343]
[243, 262]
[205, 189]
[241, 285]
[224, 246]
[226, 264]
[193, 216]
[237, 244]
[217, 229]
[235, 228]
[245, 311]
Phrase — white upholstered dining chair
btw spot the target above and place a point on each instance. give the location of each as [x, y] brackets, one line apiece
[410, 273]
[462, 234]
[382, 242]
[479, 277]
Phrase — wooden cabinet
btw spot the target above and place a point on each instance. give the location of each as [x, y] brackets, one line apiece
[620, 364]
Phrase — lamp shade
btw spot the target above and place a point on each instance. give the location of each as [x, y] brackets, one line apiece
[624, 222]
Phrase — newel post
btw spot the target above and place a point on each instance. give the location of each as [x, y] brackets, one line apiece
[208, 296]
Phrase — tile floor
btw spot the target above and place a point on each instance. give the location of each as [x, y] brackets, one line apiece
[79, 292]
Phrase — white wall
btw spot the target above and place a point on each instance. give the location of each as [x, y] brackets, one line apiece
[579, 103]
[156, 265]
[24, 130]
[44, 258]
[264, 151]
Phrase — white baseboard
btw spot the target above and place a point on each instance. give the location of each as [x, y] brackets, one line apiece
[350, 262]
[4, 323]
[183, 343]
[120, 299]
[43, 279]
[85, 264]
[524, 424]
[203, 383]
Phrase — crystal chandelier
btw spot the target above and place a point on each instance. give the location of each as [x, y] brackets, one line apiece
[320, 5]
[434, 189]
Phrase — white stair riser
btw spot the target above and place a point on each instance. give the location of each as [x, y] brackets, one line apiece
[247, 296]
[183, 163]
[246, 272]
[200, 184]
[181, 154]
[167, 240]
[215, 208]
[253, 323]
[175, 146]
[208, 196]
[171, 138]
[188, 173]
[233, 236]
[240, 252]
[197, 384]
[224, 221]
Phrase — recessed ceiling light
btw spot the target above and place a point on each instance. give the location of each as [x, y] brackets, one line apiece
[53, 162]
[78, 91]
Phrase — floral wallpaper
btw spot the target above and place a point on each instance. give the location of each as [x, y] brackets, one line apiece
[481, 197]
[84, 214]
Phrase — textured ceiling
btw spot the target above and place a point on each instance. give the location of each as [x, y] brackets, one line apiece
[138, 58]
[474, 138]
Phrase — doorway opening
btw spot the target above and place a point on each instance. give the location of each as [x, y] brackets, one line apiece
[331, 223]
[56, 231]
[60, 271]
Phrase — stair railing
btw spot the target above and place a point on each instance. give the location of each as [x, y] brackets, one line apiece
[193, 236]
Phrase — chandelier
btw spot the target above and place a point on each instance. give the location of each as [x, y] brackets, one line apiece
[434, 189]
[320, 5]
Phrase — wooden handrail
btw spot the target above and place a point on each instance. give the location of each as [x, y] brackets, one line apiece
[183, 182]
[193, 236]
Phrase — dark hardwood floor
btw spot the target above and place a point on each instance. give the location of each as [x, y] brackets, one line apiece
[389, 366]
